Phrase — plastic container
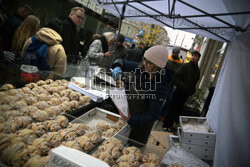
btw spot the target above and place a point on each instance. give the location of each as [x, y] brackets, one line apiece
[173, 141]
[64, 156]
[29, 73]
[197, 137]
[192, 134]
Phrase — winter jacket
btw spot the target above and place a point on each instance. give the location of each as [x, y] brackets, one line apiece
[150, 97]
[173, 64]
[9, 28]
[145, 97]
[121, 53]
[186, 77]
[71, 41]
[56, 57]
[136, 54]
[85, 47]
[96, 53]
[98, 48]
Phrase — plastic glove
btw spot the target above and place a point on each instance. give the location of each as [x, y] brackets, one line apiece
[116, 70]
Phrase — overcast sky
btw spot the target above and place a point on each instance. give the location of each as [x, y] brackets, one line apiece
[180, 38]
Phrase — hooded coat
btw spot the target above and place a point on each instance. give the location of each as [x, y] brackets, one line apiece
[56, 57]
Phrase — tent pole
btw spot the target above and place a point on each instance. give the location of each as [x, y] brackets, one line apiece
[217, 14]
[193, 28]
[172, 9]
[191, 16]
[116, 7]
[105, 2]
[153, 9]
[121, 18]
[119, 26]
[169, 7]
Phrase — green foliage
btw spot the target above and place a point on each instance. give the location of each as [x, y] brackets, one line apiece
[151, 33]
[196, 100]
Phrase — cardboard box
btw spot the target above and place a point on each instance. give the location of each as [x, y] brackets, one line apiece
[161, 138]
[64, 156]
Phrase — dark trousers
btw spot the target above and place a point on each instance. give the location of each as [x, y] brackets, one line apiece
[167, 104]
[140, 133]
[175, 109]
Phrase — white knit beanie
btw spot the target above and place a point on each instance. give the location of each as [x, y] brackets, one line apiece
[157, 55]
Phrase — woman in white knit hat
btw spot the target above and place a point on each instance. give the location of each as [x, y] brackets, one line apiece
[100, 47]
[146, 91]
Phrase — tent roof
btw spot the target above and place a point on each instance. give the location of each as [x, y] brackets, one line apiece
[216, 19]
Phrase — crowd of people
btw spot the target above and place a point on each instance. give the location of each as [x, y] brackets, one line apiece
[22, 35]
[103, 49]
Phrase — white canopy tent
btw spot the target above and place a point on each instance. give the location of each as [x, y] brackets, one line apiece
[223, 20]
[207, 18]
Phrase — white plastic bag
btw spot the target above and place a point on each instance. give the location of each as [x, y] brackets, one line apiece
[120, 99]
[177, 155]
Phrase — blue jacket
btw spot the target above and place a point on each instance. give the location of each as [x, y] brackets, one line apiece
[126, 65]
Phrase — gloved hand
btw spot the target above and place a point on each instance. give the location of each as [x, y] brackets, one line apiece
[116, 70]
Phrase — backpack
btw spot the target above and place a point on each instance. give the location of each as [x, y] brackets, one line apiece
[36, 54]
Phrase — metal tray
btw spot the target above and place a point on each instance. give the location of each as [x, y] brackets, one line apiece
[95, 115]
[72, 114]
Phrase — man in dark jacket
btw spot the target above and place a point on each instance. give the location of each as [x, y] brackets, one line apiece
[70, 38]
[174, 62]
[121, 52]
[136, 54]
[185, 80]
[11, 25]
